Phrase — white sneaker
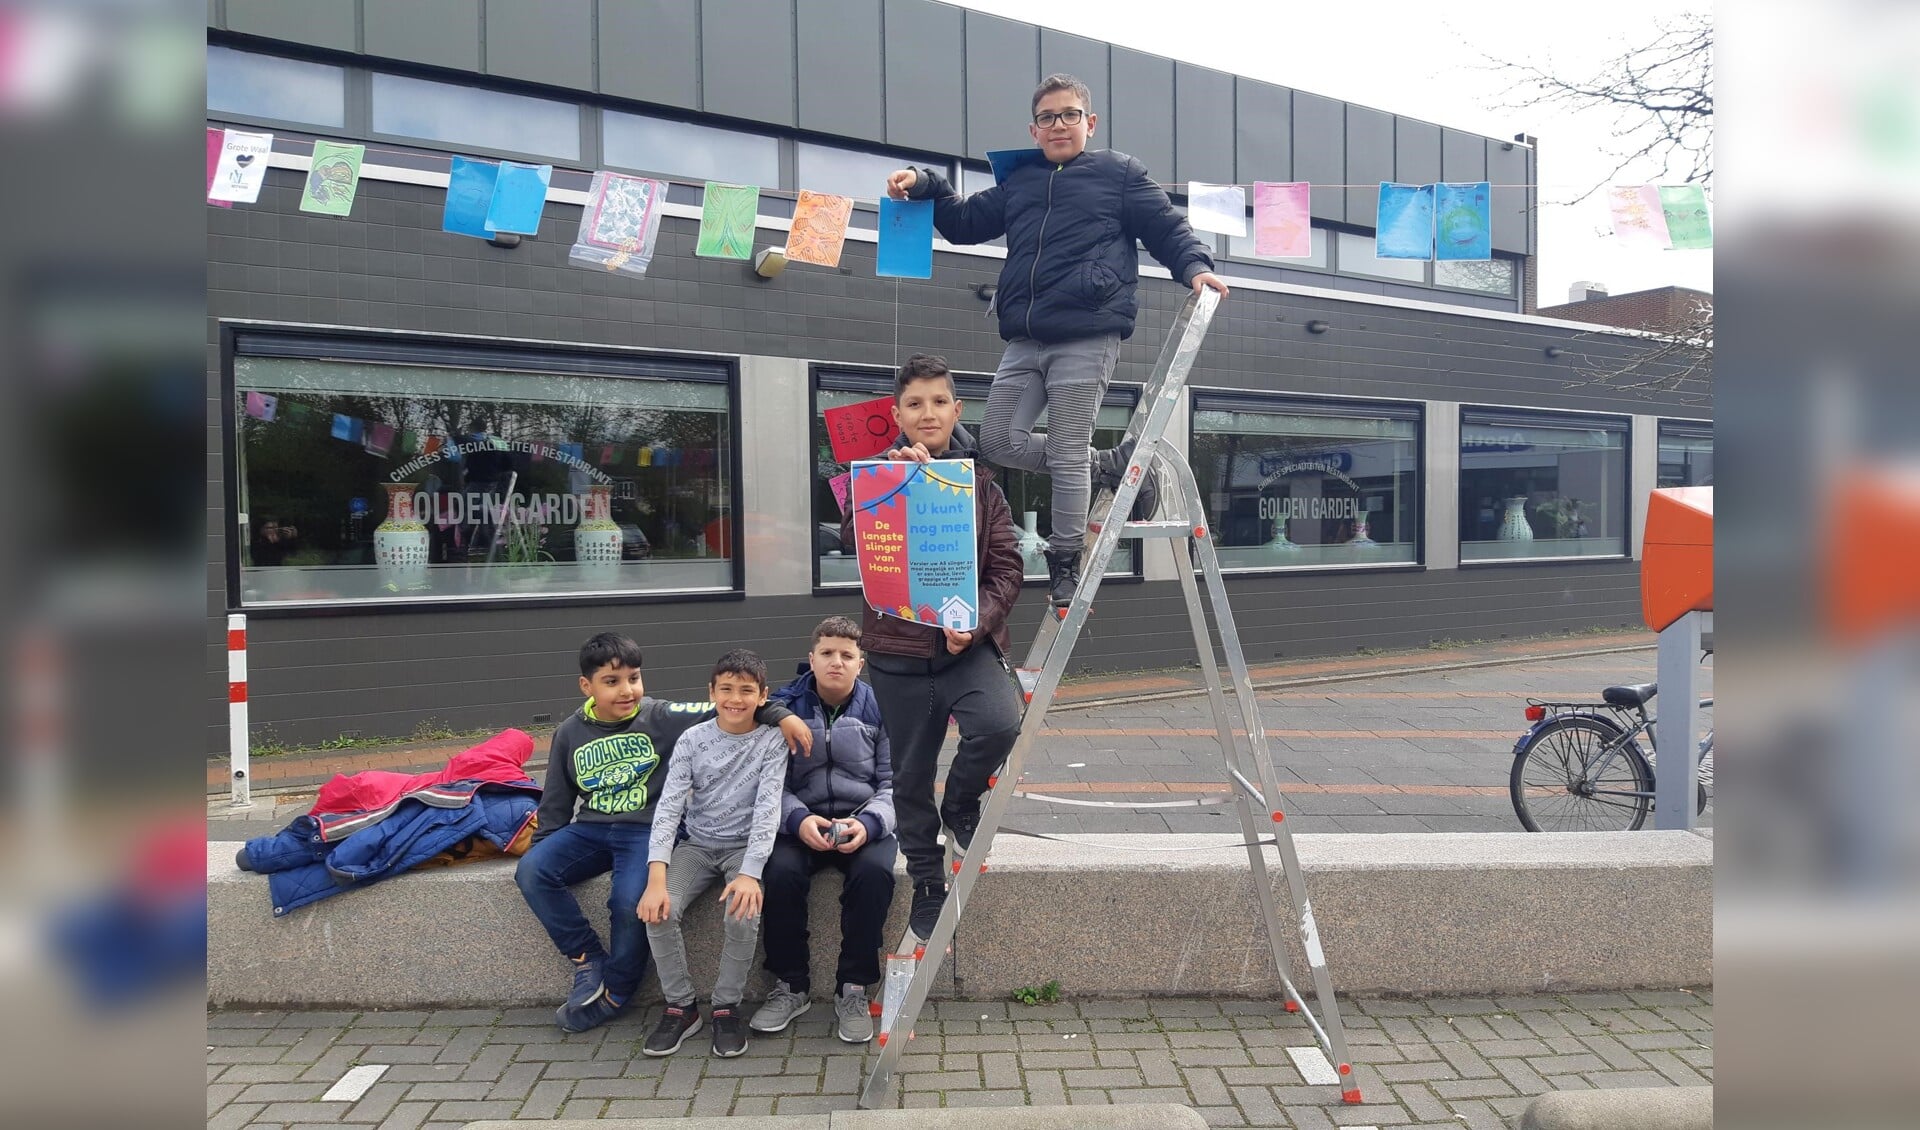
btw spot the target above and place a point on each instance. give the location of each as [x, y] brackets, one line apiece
[783, 1004]
[855, 1014]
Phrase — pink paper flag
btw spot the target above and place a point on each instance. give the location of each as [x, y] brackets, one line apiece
[1282, 222]
[1638, 217]
[261, 406]
[216, 141]
[379, 439]
[842, 485]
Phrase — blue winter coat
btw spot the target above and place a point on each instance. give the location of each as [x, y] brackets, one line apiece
[850, 772]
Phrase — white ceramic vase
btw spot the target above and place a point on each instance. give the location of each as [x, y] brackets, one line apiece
[596, 541]
[1515, 527]
[400, 542]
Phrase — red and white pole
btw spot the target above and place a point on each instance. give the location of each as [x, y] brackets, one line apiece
[237, 747]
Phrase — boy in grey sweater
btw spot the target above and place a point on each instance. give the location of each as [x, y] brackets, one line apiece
[724, 782]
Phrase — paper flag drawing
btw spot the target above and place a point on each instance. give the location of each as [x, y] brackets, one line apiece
[262, 407]
[216, 141]
[469, 194]
[1403, 225]
[819, 228]
[1282, 220]
[726, 221]
[333, 179]
[842, 487]
[861, 431]
[1685, 208]
[378, 439]
[1005, 161]
[1463, 221]
[1638, 218]
[519, 196]
[242, 168]
[348, 428]
[913, 532]
[906, 239]
[1217, 207]
[620, 225]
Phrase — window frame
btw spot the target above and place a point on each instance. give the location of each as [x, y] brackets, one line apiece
[1208, 398]
[1553, 418]
[403, 347]
[1680, 426]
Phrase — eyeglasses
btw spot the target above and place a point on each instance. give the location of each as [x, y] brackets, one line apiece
[1046, 118]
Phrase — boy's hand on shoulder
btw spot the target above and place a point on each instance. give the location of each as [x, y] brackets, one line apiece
[813, 832]
[742, 897]
[655, 905]
[901, 183]
[799, 735]
[1208, 279]
[957, 642]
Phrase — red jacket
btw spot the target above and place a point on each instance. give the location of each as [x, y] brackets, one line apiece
[501, 759]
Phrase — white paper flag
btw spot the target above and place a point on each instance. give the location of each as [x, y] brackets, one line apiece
[243, 167]
[1217, 207]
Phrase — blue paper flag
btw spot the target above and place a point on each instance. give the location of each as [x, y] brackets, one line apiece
[469, 195]
[1005, 161]
[1403, 226]
[1463, 221]
[906, 239]
[348, 428]
[519, 195]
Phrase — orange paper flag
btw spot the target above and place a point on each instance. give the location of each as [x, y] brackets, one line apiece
[819, 229]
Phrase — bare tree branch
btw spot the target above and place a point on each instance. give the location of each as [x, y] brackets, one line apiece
[1676, 364]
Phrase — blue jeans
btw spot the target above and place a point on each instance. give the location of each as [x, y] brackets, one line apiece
[575, 854]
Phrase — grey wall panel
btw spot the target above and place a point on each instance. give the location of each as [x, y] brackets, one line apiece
[841, 87]
[1086, 60]
[1416, 150]
[321, 23]
[1507, 164]
[1262, 132]
[746, 59]
[550, 42]
[650, 51]
[1142, 123]
[440, 33]
[1369, 161]
[1203, 133]
[1320, 153]
[1003, 67]
[1463, 156]
[926, 77]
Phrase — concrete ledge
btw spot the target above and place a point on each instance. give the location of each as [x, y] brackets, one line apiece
[1644, 1108]
[1119, 916]
[1126, 1116]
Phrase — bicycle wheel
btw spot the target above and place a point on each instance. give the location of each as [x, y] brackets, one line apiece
[1565, 779]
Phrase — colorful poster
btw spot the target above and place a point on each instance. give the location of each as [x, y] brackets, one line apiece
[1005, 161]
[913, 532]
[242, 168]
[519, 196]
[1282, 220]
[1638, 218]
[333, 178]
[1463, 221]
[620, 225]
[469, 195]
[819, 228]
[1403, 226]
[861, 431]
[1217, 207]
[262, 407]
[726, 221]
[347, 427]
[842, 487]
[906, 239]
[1685, 208]
[216, 141]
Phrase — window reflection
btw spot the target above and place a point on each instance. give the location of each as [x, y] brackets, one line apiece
[265, 86]
[1535, 485]
[465, 115]
[684, 149]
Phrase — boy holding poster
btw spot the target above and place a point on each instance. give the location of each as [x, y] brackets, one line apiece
[922, 673]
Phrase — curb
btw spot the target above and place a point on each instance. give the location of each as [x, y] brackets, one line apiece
[1644, 1108]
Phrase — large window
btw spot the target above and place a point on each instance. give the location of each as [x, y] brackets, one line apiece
[861, 174]
[1029, 495]
[381, 471]
[686, 149]
[466, 115]
[264, 86]
[1296, 482]
[1357, 258]
[1686, 453]
[1541, 485]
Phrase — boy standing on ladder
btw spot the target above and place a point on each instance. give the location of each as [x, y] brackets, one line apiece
[1066, 300]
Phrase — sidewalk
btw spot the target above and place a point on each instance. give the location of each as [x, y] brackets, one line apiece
[1471, 1063]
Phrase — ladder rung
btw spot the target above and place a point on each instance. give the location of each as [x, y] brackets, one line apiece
[1156, 529]
[1252, 789]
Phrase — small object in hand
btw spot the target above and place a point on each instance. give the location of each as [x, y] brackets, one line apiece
[842, 832]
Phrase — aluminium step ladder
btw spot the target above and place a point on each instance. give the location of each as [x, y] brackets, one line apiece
[1254, 797]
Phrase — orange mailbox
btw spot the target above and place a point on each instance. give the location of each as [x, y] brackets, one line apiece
[1676, 565]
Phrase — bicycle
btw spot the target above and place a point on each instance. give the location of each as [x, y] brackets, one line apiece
[1579, 766]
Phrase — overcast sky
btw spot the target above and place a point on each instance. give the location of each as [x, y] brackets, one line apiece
[1424, 59]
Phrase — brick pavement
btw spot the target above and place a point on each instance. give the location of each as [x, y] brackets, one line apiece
[1437, 1062]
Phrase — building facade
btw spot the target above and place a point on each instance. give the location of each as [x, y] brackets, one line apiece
[438, 462]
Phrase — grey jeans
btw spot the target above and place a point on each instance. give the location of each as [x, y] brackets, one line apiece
[692, 872]
[1066, 381]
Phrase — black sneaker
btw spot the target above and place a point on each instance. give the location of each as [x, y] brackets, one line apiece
[677, 1022]
[928, 898]
[1108, 468]
[586, 981]
[961, 821]
[1063, 577]
[586, 1017]
[729, 1031]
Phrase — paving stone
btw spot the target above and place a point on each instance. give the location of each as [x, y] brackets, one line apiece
[1465, 1061]
[648, 1108]
[1568, 1083]
[487, 1064]
[282, 1092]
[1608, 1079]
[1088, 1098]
[545, 1099]
[1222, 1115]
[1203, 1039]
[317, 1019]
[1478, 1116]
[1653, 1041]
[1257, 1104]
[401, 1053]
[1211, 1057]
[243, 1055]
[1470, 1088]
[1416, 1072]
[1567, 1064]
[1373, 1007]
[457, 1092]
[1646, 998]
[301, 1112]
[1524, 1078]
[1203, 1084]
[822, 1104]
[584, 1109]
[263, 1073]
[616, 1088]
[1373, 1114]
[1304, 1117]
[1420, 1102]
[1045, 1088]
[245, 1019]
[943, 1081]
[1567, 1045]
[407, 1116]
[1677, 1071]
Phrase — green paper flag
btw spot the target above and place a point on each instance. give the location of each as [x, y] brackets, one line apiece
[726, 221]
[1686, 209]
[333, 179]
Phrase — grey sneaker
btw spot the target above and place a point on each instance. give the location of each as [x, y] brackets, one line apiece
[855, 1014]
[783, 1005]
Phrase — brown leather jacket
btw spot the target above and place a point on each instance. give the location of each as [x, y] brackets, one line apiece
[1001, 570]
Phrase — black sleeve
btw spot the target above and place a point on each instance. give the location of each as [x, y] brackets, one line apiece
[1152, 219]
[961, 219]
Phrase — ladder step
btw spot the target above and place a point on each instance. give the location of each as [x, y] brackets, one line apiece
[1155, 529]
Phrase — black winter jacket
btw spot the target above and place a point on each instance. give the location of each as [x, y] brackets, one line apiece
[1071, 268]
